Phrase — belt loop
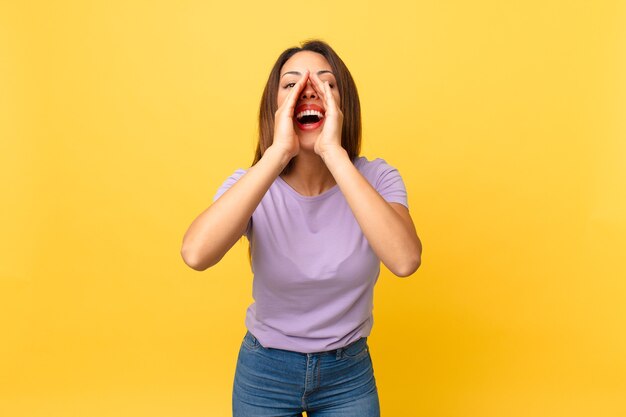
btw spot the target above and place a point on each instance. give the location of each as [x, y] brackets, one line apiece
[339, 352]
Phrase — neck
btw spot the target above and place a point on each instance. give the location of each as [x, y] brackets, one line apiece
[309, 175]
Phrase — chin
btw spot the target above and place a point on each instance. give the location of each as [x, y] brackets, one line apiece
[308, 147]
[307, 139]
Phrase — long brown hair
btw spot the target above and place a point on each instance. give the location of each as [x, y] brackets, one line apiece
[350, 104]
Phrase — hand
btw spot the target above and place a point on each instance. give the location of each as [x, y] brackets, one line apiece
[285, 137]
[330, 137]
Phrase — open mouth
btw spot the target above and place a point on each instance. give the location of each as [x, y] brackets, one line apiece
[309, 116]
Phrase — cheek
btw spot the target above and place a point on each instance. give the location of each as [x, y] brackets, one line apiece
[281, 96]
[337, 97]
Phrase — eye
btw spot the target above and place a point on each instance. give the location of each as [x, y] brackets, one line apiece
[289, 85]
[330, 83]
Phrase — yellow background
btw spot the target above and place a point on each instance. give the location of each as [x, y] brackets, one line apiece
[119, 120]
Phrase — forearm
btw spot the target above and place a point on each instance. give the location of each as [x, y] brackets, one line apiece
[217, 228]
[392, 237]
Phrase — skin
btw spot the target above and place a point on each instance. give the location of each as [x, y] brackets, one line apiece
[310, 175]
[320, 162]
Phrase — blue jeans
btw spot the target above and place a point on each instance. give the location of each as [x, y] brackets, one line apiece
[281, 383]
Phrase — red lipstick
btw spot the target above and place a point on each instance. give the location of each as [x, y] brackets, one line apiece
[314, 108]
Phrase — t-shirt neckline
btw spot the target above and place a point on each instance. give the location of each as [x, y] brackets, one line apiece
[332, 190]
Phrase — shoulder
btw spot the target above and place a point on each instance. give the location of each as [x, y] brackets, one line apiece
[233, 178]
[238, 173]
[374, 169]
[384, 178]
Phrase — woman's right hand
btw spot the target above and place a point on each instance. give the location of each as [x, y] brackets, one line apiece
[219, 227]
[285, 137]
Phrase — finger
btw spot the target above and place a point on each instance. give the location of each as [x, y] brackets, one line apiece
[328, 92]
[318, 86]
[293, 94]
[329, 99]
[325, 92]
[295, 91]
[292, 98]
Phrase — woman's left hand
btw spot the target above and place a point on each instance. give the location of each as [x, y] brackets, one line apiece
[330, 137]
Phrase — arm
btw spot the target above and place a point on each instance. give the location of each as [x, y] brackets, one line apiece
[217, 228]
[387, 226]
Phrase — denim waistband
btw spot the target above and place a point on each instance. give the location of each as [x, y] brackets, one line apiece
[253, 341]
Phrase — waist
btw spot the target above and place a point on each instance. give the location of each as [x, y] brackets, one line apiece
[254, 343]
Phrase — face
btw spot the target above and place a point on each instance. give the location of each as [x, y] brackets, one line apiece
[292, 71]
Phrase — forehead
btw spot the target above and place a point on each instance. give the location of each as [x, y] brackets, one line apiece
[303, 60]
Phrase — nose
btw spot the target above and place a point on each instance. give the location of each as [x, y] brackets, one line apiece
[308, 91]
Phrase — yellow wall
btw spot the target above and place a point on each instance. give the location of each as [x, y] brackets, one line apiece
[119, 120]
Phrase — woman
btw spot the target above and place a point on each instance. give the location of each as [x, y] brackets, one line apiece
[319, 219]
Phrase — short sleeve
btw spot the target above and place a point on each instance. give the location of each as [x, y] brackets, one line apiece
[226, 185]
[389, 183]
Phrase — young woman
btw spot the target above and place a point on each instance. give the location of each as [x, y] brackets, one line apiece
[319, 219]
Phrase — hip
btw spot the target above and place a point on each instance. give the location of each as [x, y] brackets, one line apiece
[292, 381]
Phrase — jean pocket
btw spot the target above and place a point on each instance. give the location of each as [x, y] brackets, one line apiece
[251, 342]
[356, 349]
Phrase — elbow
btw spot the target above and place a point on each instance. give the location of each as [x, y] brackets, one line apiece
[407, 267]
[194, 261]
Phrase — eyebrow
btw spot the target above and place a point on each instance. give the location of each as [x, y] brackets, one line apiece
[299, 73]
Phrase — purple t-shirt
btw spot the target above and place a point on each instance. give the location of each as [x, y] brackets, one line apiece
[314, 271]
